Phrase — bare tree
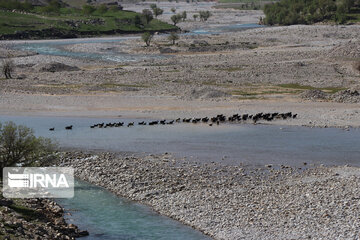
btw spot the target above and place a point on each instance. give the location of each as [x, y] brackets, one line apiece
[7, 67]
[173, 37]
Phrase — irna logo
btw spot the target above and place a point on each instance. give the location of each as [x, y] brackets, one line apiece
[45, 182]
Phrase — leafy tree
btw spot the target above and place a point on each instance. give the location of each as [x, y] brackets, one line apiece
[146, 16]
[157, 11]
[137, 20]
[147, 37]
[19, 147]
[53, 7]
[173, 10]
[287, 12]
[102, 9]
[183, 15]
[173, 37]
[88, 9]
[153, 6]
[27, 6]
[114, 9]
[195, 16]
[16, 5]
[176, 19]
[204, 15]
[348, 4]
[341, 14]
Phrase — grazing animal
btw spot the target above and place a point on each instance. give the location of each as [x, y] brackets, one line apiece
[205, 119]
[194, 121]
[69, 127]
[142, 123]
[130, 124]
[153, 123]
[51, 129]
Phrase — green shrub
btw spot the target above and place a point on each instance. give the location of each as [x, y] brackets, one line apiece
[88, 9]
[20, 147]
[204, 15]
[288, 12]
[176, 18]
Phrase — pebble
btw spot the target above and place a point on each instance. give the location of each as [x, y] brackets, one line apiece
[230, 202]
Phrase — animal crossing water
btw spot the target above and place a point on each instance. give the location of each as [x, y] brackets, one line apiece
[227, 143]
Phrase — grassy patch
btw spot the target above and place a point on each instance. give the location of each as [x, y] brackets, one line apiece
[296, 86]
[306, 87]
[249, 98]
[27, 213]
[11, 22]
[170, 71]
[73, 86]
[231, 69]
[260, 91]
[114, 85]
[243, 93]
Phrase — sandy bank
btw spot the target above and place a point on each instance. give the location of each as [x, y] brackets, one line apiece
[319, 114]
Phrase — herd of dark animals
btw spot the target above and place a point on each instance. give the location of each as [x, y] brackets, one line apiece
[210, 121]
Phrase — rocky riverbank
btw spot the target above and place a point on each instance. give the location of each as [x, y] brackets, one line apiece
[35, 219]
[233, 202]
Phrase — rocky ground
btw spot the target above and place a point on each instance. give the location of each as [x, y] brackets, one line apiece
[226, 73]
[34, 219]
[233, 202]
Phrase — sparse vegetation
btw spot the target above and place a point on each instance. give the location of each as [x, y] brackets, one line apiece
[305, 87]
